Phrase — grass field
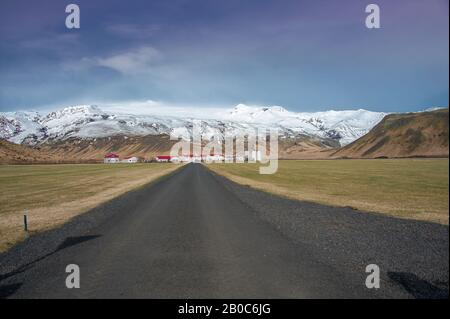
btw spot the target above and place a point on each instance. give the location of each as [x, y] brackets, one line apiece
[406, 188]
[52, 194]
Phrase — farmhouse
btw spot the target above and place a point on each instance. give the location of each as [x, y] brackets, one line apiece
[111, 158]
[193, 158]
[163, 158]
[130, 159]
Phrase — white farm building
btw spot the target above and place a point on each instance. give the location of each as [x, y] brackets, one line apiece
[111, 158]
[130, 159]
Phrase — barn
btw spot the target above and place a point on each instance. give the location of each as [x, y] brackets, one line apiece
[111, 158]
[130, 159]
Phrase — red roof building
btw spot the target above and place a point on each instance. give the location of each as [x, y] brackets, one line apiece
[111, 155]
[111, 158]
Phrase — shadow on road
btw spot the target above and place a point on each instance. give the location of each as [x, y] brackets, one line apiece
[419, 288]
[72, 241]
[8, 290]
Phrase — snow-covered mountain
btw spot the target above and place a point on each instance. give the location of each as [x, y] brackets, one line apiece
[90, 121]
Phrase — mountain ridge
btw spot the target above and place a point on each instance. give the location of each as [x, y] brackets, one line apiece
[90, 121]
[419, 134]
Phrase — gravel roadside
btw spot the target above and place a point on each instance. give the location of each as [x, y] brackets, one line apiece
[411, 254]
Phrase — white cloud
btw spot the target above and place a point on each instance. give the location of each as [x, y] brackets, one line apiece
[160, 108]
[136, 61]
[139, 60]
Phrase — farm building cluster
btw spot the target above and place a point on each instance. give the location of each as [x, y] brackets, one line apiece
[190, 158]
[112, 158]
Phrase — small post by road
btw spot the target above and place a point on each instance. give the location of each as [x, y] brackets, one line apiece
[25, 223]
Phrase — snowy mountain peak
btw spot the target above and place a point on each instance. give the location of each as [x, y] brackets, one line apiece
[242, 109]
[90, 121]
[277, 109]
[80, 110]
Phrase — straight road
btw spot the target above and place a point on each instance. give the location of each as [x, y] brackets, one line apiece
[190, 236]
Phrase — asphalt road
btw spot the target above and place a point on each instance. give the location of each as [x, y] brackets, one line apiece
[196, 235]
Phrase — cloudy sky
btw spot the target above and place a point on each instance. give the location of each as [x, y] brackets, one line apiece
[304, 55]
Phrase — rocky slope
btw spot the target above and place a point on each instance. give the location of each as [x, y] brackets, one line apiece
[422, 134]
[11, 153]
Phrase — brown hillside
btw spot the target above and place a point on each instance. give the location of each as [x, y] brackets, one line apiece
[94, 149]
[76, 150]
[151, 145]
[305, 148]
[422, 134]
[11, 153]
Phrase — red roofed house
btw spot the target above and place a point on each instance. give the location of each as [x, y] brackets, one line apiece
[111, 158]
[167, 158]
[162, 158]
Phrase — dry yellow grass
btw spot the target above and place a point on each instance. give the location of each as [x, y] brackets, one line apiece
[53, 194]
[406, 188]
